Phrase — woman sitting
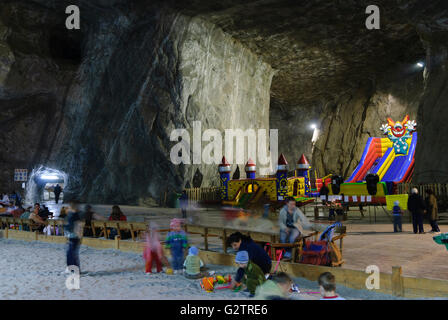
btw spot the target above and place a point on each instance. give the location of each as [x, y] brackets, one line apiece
[117, 215]
[36, 218]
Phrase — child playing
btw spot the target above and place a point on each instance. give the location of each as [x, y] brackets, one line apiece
[327, 288]
[176, 241]
[153, 252]
[253, 275]
[397, 213]
[193, 264]
[277, 288]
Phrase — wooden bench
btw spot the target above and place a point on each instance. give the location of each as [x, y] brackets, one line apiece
[136, 229]
[296, 247]
[272, 238]
[6, 222]
[223, 233]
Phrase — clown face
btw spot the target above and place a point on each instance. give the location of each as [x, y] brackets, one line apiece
[398, 130]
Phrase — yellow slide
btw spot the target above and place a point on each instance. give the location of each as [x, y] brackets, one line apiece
[257, 196]
[236, 199]
[390, 158]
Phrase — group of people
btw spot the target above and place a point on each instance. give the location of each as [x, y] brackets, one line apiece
[254, 264]
[418, 208]
[11, 204]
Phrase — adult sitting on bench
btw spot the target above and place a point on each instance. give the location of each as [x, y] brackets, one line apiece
[36, 218]
[118, 215]
[292, 222]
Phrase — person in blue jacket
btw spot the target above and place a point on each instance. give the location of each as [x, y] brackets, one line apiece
[177, 242]
[257, 255]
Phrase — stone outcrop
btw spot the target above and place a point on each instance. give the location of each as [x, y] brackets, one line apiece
[142, 74]
[347, 123]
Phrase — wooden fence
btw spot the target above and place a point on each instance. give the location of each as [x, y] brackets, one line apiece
[395, 283]
[204, 194]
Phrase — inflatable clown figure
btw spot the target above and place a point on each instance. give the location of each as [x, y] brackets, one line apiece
[398, 132]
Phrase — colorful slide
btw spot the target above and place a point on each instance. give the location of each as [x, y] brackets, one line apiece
[243, 199]
[379, 157]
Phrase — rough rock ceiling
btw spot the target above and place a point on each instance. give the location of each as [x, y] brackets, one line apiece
[321, 48]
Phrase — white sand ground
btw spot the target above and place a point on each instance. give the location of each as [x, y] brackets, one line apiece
[34, 270]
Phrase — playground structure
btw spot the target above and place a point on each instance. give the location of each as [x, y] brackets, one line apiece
[385, 163]
[253, 191]
[388, 160]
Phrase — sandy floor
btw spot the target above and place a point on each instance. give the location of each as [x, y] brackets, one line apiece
[34, 270]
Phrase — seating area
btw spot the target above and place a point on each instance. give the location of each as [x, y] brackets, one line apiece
[272, 241]
[136, 230]
[98, 228]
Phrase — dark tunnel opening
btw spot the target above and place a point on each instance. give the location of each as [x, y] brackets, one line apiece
[66, 45]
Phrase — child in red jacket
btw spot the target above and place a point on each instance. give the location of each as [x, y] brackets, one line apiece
[153, 252]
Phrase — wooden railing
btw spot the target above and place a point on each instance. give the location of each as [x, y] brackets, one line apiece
[99, 228]
[203, 194]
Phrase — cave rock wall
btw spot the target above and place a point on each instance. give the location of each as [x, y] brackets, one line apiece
[140, 74]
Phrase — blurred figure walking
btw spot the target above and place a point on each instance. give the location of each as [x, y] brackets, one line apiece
[73, 228]
[57, 192]
[184, 204]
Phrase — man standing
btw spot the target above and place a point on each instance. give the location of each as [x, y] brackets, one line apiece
[73, 228]
[292, 222]
[57, 191]
[416, 206]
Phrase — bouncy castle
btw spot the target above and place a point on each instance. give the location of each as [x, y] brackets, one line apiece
[384, 162]
[252, 190]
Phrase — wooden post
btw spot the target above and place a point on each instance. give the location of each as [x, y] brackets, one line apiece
[106, 236]
[224, 240]
[132, 232]
[397, 282]
[206, 238]
[36, 235]
[92, 225]
[117, 242]
[118, 229]
[316, 213]
[6, 233]
[272, 248]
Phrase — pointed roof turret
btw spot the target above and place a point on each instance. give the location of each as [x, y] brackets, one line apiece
[250, 166]
[224, 166]
[282, 164]
[303, 163]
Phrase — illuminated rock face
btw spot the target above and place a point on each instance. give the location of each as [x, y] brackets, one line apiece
[349, 121]
[105, 117]
[100, 103]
